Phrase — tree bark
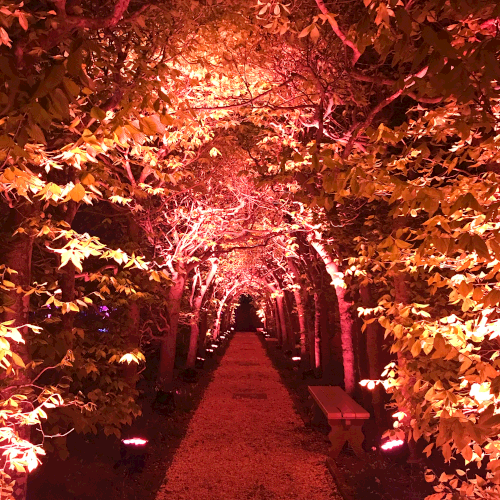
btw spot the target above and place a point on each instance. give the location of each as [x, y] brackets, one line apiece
[134, 339]
[195, 316]
[373, 343]
[317, 331]
[277, 324]
[346, 320]
[17, 257]
[220, 309]
[67, 283]
[304, 361]
[169, 342]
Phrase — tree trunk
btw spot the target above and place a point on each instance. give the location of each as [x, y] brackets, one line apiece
[17, 256]
[169, 342]
[195, 331]
[134, 339]
[281, 315]
[195, 318]
[304, 362]
[346, 320]
[327, 366]
[277, 324]
[402, 298]
[373, 342]
[317, 331]
[67, 283]
[289, 319]
[203, 332]
[220, 309]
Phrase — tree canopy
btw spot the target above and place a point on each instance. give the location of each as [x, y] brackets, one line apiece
[338, 162]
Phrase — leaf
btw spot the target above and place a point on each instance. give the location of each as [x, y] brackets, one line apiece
[77, 193]
[35, 132]
[18, 360]
[71, 86]
[23, 21]
[314, 34]
[416, 348]
[480, 247]
[87, 178]
[97, 113]
[306, 31]
[4, 38]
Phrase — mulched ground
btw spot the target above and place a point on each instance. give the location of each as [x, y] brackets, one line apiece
[382, 477]
[90, 472]
[246, 441]
[93, 470]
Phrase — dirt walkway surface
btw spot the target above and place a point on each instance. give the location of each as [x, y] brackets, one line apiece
[245, 441]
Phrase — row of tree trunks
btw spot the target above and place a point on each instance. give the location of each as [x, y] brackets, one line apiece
[168, 343]
[222, 305]
[346, 319]
[196, 304]
[299, 302]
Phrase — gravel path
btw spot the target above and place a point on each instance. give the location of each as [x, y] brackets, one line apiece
[246, 441]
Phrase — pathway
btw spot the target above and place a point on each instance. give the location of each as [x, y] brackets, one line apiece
[245, 441]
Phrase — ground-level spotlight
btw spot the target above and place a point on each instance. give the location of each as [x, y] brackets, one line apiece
[296, 358]
[391, 444]
[134, 442]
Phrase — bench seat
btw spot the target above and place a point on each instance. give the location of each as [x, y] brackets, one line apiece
[344, 415]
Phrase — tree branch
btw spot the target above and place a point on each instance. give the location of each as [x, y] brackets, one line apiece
[338, 32]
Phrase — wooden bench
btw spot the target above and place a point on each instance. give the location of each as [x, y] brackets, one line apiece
[344, 415]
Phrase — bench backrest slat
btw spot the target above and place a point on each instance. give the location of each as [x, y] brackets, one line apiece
[336, 404]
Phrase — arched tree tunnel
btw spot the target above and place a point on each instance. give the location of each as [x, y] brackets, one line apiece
[326, 172]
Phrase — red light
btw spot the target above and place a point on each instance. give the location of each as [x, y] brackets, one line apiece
[389, 445]
[135, 441]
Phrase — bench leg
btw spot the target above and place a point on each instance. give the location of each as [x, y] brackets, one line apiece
[356, 438]
[343, 431]
[317, 414]
[337, 436]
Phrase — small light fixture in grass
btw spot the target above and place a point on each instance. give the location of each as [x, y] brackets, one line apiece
[391, 444]
[296, 358]
[135, 442]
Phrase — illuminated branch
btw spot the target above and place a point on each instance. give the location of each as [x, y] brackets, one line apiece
[338, 32]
